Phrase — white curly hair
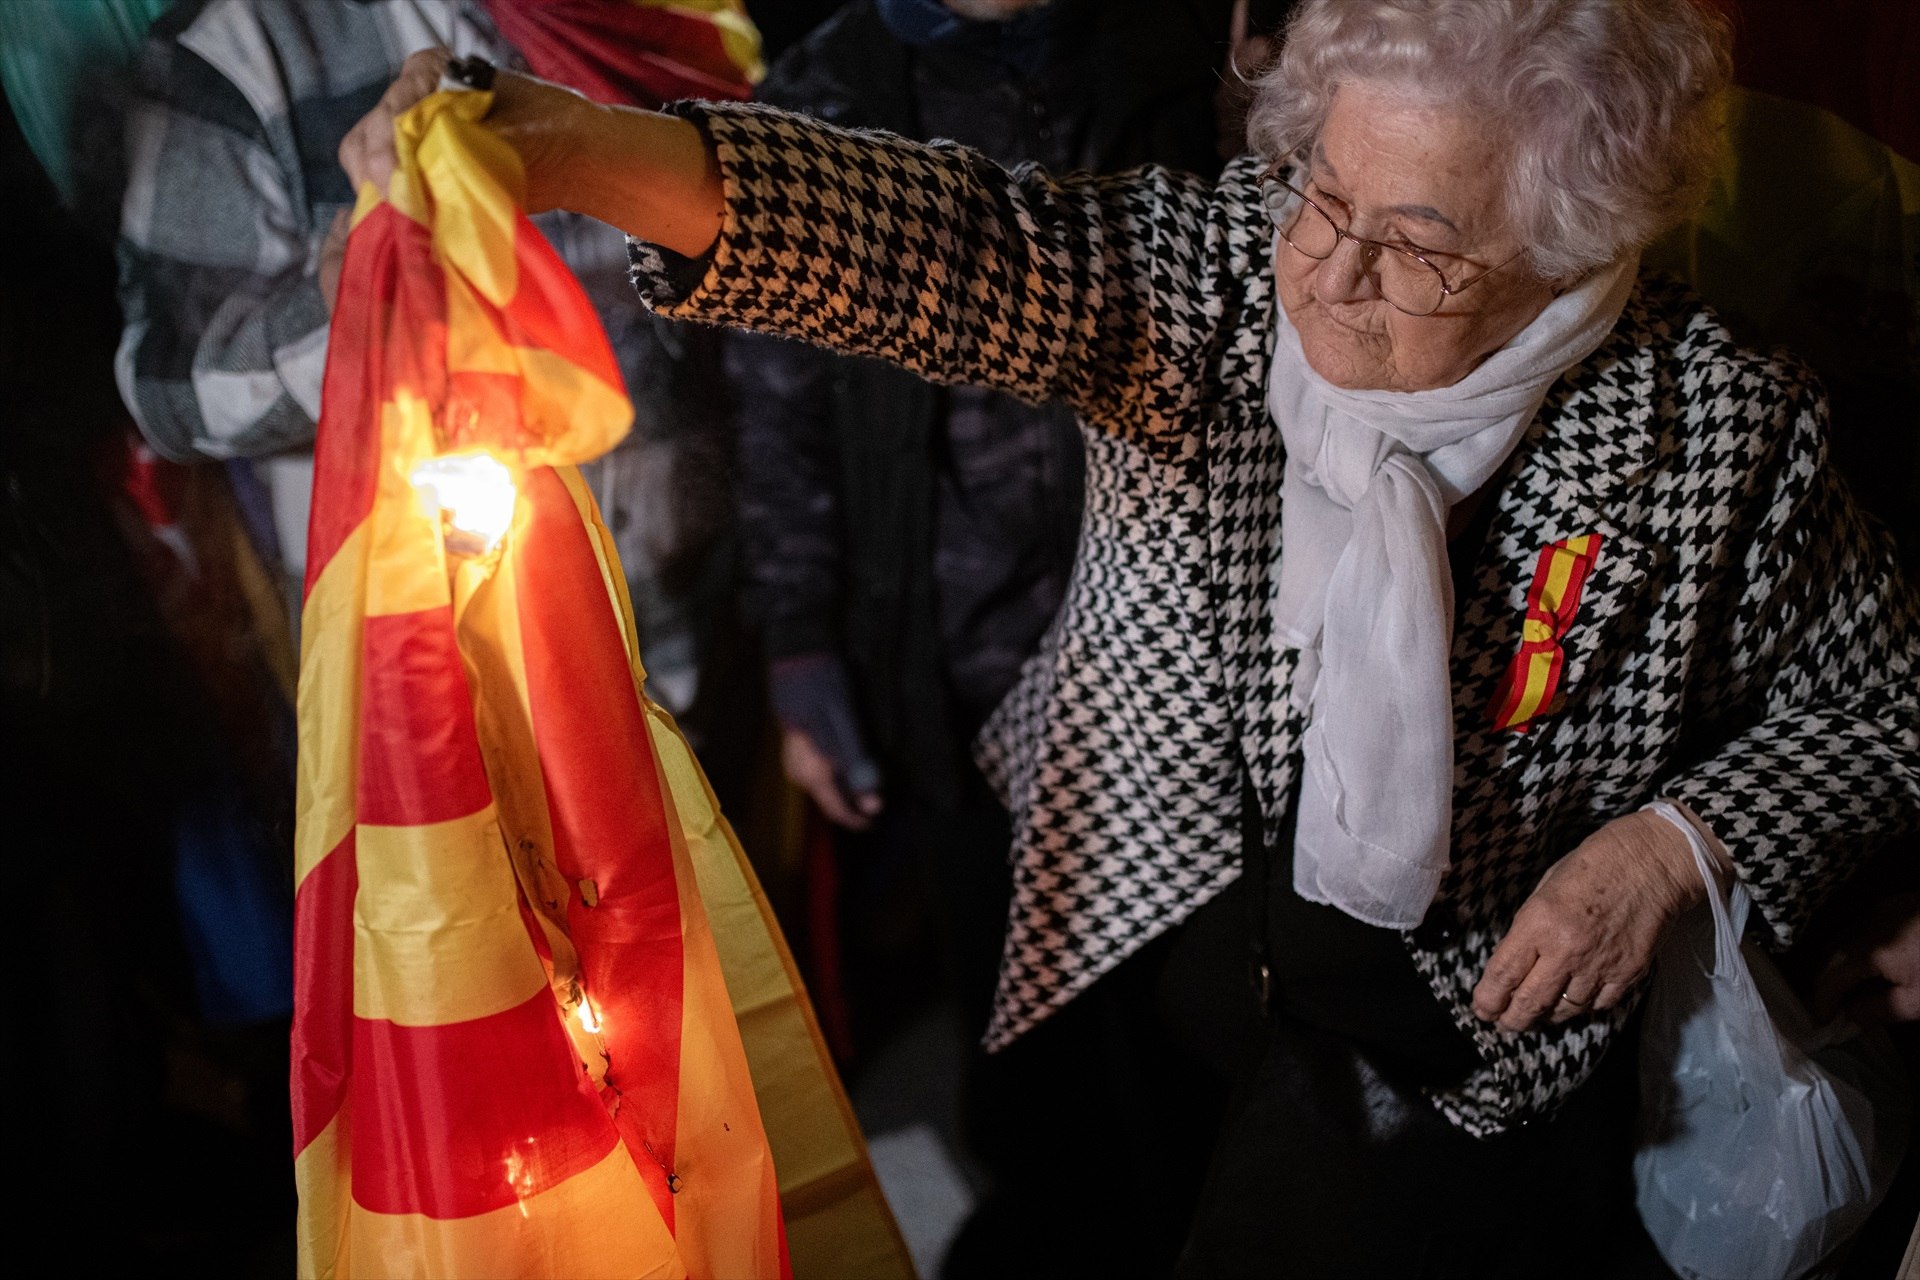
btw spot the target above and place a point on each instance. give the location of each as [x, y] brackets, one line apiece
[1609, 109]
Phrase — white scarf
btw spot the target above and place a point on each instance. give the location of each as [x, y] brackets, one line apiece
[1365, 595]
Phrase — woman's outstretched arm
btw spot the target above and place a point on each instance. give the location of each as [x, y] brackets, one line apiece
[1126, 296]
[651, 175]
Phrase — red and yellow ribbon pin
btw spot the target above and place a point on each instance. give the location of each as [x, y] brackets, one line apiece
[1532, 681]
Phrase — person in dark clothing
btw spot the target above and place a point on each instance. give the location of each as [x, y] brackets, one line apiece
[901, 576]
[907, 546]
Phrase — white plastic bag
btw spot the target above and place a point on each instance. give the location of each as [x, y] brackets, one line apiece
[1763, 1146]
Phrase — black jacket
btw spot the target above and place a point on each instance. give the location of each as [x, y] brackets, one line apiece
[925, 535]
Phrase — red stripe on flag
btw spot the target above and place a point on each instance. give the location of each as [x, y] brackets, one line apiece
[391, 309]
[609, 821]
[323, 991]
[466, 1118]
[545, 309]
[419, 753]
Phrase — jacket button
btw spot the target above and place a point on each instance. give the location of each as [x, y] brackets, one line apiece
[1442, 924]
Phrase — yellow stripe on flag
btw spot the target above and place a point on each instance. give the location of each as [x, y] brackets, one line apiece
[438, 936]
[539, 1236]
[473, 341]
[733, 1181]
[583, 416]
[329, 705]
[478, 185]
[406, 567]
[321, 1178]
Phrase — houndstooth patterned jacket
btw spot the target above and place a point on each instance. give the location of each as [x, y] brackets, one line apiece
[1743, 644]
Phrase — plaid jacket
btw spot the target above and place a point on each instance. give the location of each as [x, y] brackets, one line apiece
[233, 181]
[232, 184]
[1743, 643]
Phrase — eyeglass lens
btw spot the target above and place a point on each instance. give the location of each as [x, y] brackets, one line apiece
[1404, 281]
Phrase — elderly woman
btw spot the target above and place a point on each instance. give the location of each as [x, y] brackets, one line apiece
[1427, 546]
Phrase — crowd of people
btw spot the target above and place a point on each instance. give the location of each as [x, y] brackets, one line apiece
[1088, 552]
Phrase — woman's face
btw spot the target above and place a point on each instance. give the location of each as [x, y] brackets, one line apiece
[1424, 178]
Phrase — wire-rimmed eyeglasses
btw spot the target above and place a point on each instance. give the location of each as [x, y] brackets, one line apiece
[1407, 280]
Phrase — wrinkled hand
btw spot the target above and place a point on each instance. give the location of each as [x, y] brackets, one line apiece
[1589, 932]
[1875, 978]
[541, 121]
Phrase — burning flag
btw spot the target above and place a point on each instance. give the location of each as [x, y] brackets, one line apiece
[515, 1051]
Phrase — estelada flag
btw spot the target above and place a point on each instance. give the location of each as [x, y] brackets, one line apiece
[515, 1042]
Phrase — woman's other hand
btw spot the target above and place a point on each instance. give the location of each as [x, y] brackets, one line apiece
[653, 176]
[1589, 931]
